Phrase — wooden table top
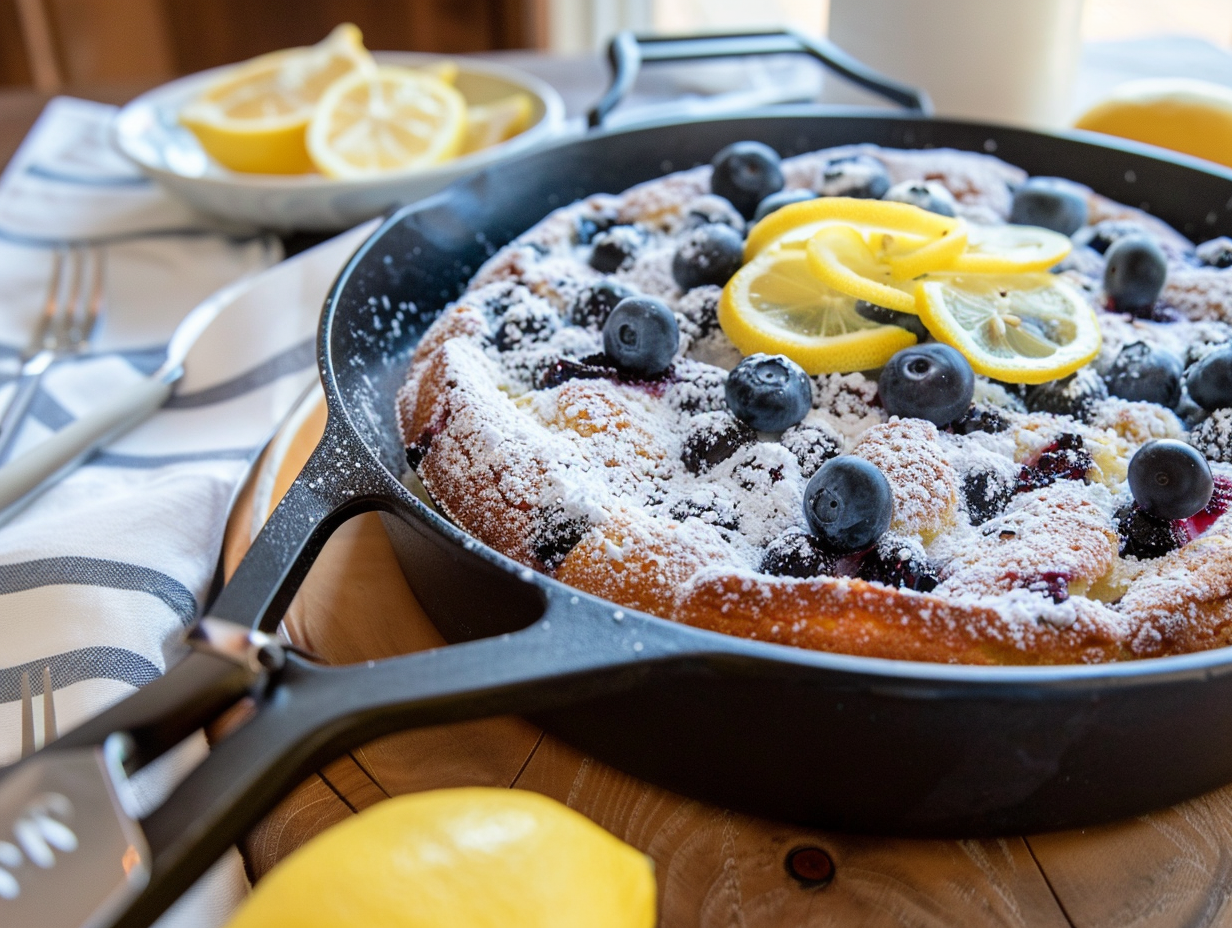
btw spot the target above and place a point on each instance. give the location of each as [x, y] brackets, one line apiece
[715, 868]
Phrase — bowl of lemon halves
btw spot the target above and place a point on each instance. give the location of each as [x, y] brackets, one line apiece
[323, 137]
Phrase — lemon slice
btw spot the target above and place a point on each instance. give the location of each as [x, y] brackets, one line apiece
[1011, 249]
[1017, 328]
[799, 222]
[490, 124]
[839, 256]
[776, 305]
[938, 255]
[253, 119]
[384, 119]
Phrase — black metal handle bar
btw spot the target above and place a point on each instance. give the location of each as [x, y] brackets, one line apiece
[577, 650]
[628, 51]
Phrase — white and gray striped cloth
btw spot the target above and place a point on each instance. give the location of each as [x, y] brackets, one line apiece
[101, 573]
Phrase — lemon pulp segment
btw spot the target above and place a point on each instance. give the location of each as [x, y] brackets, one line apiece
[776, 305]
[386, 119]
[489, 124]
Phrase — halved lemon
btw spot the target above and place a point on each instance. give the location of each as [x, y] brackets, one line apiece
[1017, 328]
[254, 118]
[799, 222]
[838, 256]
[1011, 249]
[775, 304]
[384, 119]
[489, 124]
[1183, 114]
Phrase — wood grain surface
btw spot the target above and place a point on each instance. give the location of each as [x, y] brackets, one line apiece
[717, 868]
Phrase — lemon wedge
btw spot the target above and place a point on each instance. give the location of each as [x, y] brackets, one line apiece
[382, 119]
[1017, 328]
[458, 857]
[489, 124]
[253, 119]
[1011, 249]
[839, 256]
[1183, 114]
[799, 222]
[775, 304]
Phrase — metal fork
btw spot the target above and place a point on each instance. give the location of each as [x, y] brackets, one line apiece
[70, 316]
[28, 746]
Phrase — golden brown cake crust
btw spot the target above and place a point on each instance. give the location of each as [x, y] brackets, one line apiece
[580, 475]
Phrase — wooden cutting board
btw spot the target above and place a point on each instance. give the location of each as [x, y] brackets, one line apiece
[714, 867]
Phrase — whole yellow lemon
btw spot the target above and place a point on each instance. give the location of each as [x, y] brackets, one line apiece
[463, 858]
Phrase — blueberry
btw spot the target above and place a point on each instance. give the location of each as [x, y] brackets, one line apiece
[524, 324]
[554, 534]
[705, 505]
[812, 447]
[848, 504]
[1170, 479]
[708, 209]
[745, 173]
[596, 302]
[932, 382]
[1146, 374]
[780, 199]
[980, 419]
[1050, 203]
[1066, 458]
[615, 248]
[590, 224]
[987, 493]
[1210, 380]
[708, 255]
[769, 392]
[1076, 395]
[898, 562]
[861, 176]
[1106, 233]
[926, 194]
[1134, 274]
[1214, 436]
[1144, 535]
[1216, 253]
[796, 554]
[641, 336]
[711, 439]
[879, 314]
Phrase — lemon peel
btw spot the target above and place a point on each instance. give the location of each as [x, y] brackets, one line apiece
[774, 304]
[472, 856]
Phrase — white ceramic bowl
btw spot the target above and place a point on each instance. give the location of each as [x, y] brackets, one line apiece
[147, 131]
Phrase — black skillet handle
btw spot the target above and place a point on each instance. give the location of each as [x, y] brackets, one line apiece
[627, 52]
[579, 648]
[339, 481]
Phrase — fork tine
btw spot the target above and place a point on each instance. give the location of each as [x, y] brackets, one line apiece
[27, 716]
[93, 302]
[49, 708]
[71, 306]
[44, 333]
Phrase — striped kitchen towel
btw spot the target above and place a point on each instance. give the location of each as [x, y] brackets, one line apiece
[101, 574]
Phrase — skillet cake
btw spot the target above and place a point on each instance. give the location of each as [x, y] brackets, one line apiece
[901, 404]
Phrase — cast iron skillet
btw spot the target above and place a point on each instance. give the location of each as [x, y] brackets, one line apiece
[827, 740]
